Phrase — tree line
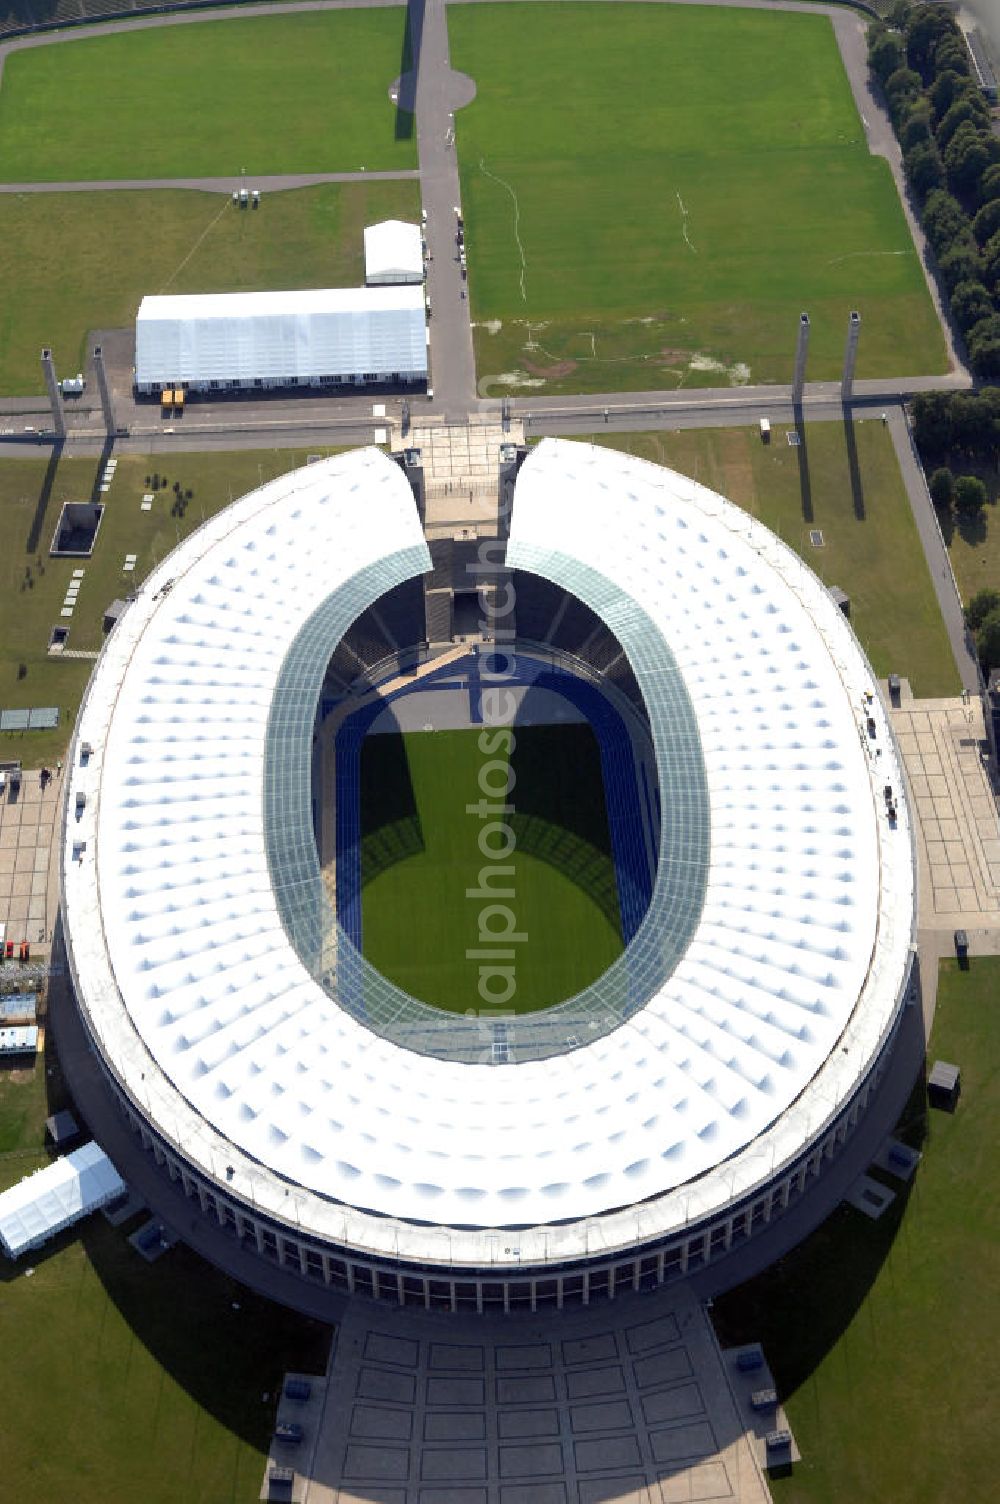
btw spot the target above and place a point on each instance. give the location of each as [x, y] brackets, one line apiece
[954, 430]
[952, 161]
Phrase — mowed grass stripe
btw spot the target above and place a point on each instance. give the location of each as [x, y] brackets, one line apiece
[687, 181]
[418, 922]
[273, 94]
[83, 261]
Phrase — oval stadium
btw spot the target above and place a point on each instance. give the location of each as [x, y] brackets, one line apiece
[691, 893]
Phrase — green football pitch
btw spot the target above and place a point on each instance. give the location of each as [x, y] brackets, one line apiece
[654, 193]
[420, 854]
[272, 94]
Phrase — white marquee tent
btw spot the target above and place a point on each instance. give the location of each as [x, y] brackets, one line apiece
[267, 339]
[393, 253]
[62, 1193]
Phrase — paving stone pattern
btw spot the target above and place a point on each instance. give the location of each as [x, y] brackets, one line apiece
[26, 819]
[628, 1402]
[943, 746]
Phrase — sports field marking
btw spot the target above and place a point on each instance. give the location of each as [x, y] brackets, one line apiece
[517, 217]
[684, 225]
[835, 260]
[206, 231]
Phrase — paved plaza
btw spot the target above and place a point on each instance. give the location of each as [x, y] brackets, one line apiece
[944, 747]
[626, 1402]
[26, 824]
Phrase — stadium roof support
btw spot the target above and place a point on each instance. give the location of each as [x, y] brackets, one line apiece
[45, 1203]
[281, 338]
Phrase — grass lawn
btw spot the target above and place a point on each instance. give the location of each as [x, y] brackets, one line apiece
[871, 547]
[130, 1381]
[974, 549]
[851, 1321]
[82, 261]
[420, 854]
[683, 182]
[273, 94]
[30, 602]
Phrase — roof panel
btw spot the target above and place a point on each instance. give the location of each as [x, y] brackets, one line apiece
[790, 982]
[281, 335]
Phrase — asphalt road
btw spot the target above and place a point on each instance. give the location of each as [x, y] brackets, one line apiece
[439, 92]
[213, 185]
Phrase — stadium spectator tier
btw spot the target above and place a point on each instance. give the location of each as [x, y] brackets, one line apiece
[711, 1074]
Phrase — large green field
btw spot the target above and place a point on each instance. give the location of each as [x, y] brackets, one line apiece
[274, 94]
[653, 194]
[32, 585]
[125, 1381]
[845, 481]
[75, 262]
[420, 855]
[883, 1335]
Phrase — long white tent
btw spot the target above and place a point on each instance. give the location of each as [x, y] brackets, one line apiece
[317, 337]
[41, 1205]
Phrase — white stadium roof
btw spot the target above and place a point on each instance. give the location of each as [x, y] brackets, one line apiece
[281, 336]
[227, 1043]
[393, 252]
[42, 1204]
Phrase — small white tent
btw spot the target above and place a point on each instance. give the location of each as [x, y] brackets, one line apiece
[62, 1193]
[393, 253]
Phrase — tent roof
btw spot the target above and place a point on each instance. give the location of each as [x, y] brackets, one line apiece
[250, 336]
[393, 248]
[43, 1204]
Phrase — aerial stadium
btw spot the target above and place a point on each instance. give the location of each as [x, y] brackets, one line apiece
[479, 1158]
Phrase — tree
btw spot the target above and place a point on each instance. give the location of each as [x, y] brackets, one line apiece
[945, 221]
[901, 87]
[924, 168]
[989, 184]
[970, 496]
[970, 302]
[926, 26]
[988, 641]
[915, 126]
[974, 421]
[942, 488]
[984, 351]
[885, 54]
[979, 608]
[932, 422]
[944, 91]
[951, 56]
[968, 109]
[991, 260]
[987, 221]
[961, 264]
[965, 158]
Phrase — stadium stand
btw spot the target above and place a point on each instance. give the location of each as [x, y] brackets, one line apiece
[552, 617]
[633, 874]
[21, 17]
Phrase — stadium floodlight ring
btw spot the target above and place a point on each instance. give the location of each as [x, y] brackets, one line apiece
[223, 1043]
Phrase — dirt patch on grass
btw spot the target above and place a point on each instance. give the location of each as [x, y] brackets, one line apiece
[554, 372]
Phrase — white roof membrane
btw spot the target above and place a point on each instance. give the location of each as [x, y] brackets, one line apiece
[281, 336]
[198, 1001]
[393, 252]
[53, 1198]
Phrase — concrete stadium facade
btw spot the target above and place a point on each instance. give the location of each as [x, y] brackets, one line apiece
[686, 1102]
